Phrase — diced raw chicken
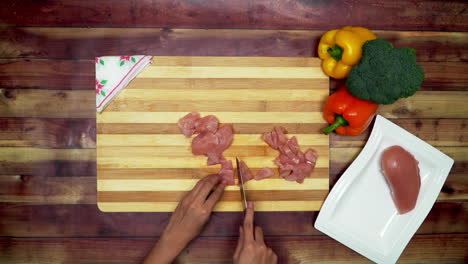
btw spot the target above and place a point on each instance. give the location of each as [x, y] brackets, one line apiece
[187, 123]
[264, 173]
[227, 172]
[225, 137]
[245, 171]
[208, 123]
[275, 137]
[294, 165]
[402, 173]
[210, 141]
[204, 143]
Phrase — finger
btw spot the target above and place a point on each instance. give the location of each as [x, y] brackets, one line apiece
[196, 189]
[239, 242]
[259, 235]
[215, 196]
[248, 223]
[209, 182]
[274, 258]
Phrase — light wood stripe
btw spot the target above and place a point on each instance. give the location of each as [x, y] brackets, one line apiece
[232, 72]
[184, 162]
[104, 140]
[223, 83]
[226, 117]
[178, 151]
[29, 154]
[213, 106]
[172, 128]
[188, 184]
[220, 207]
[176, 196]
[238, 61]
[313, 95]
[180, 173]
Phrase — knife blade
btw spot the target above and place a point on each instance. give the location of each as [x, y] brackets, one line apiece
[241, 183]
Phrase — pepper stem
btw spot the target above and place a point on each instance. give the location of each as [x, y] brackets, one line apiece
[339, 121]
[336, 52]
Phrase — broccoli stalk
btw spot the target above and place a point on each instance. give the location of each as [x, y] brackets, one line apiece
[385, 73]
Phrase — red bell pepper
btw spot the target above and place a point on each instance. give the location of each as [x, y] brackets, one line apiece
[347, 114]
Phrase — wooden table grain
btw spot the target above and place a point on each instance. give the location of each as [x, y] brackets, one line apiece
[48, 211]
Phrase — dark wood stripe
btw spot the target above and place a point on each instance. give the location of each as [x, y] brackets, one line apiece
[79, 75]
[447, 248]
[88, 43]
[292, 14]
[173, 196]
[131, 174]
[48, 133]
[170, 128]
[50, 168]
[60, 220]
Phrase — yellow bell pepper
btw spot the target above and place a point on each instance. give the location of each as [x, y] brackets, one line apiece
[341, 49]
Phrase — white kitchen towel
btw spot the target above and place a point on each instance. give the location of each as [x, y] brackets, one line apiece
[114, 73]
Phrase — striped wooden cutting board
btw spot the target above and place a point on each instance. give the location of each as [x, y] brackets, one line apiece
[145, 163]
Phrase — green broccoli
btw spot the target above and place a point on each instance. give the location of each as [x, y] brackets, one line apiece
[385, 73]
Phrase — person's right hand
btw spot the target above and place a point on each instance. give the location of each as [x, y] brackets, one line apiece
[251, 248]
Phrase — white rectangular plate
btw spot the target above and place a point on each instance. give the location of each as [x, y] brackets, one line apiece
[359, 211]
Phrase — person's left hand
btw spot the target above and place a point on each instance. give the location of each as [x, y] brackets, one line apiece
[193, 211]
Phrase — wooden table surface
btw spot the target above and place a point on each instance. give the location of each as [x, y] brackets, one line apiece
[48, 211]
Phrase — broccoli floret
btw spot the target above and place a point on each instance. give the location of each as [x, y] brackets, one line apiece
[385, 73]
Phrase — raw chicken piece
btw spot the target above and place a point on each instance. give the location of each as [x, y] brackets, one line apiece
[227, 172]
[294, 165]
[402, 173]
[225, 137]
[187, 123]
[204, 143]
[264, 173]
[246, 173]
[275, 137]
[208, 123]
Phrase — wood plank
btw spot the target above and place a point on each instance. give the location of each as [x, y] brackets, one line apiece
[396, 15]
[132, 140]
[428, 105]
[177, 151]
[437, 132]
[226, 117]
[28, 220]
[182, 162]
[79, 133]
[87, 43]
[184, 173]
[81, 104]
[228, 195]
[223, 206]
[232, 72]
[225, 83]
[48, 133]
[47, 74]
[251, 94]
[146, 105]
[47, 162]
[119, 185]
[79, 75]
[47, 190]
[47, 103]
[425, 248]
[172, 128]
